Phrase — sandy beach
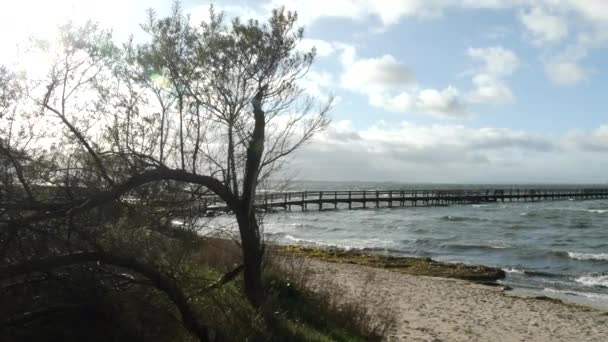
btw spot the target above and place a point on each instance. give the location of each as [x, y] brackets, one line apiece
[450, 310]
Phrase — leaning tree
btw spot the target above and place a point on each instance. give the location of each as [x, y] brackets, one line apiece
[214, 107]
[107, 135]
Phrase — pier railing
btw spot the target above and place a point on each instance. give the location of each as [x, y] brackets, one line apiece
[353, 199]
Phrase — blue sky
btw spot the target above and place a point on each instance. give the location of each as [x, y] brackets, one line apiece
[426, 90]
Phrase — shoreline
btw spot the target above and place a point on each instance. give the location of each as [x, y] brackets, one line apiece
[434, 309]
[442, 309]
[424, 266]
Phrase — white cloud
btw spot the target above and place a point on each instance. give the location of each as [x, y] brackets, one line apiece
[317, 83]
[496, 64]
[546, 21]
[323, 47]
[390, 85]
[596, 10]
[440, 103]
[375, 74]
[444, 102]
[565, 68]
[594, 141]
[495, 60]
[566, 73]
[544, 27]
[411, 152]
[389, 12]
[489, 89]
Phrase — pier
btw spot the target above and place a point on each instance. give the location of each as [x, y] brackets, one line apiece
[332, 200]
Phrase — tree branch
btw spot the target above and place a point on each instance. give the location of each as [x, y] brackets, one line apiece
[82, 141]
[159, 280]
[134, 182]
[225, 279]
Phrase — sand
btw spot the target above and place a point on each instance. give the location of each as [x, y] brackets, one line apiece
[439, 309]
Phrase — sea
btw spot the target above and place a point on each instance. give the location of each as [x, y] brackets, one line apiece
[557, 249]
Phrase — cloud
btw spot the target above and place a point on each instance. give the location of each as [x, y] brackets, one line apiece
[496, 63]
[565, 69]
[388, 12]
[388, 83]
[391, 86]
[376, 74]
[444, 102]
[323, 47]
[594, 141]
[544, 27]
[566, 73]
[489, 89]
[439, 143]
[440, 103]
[410, 152]
[595, 10]
[317, 83]
[545, 21]
[495, 60]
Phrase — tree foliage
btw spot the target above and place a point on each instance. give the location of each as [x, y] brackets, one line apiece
[102, 152]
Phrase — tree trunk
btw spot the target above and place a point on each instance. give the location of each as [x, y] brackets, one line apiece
[251, 241]
[253, 252]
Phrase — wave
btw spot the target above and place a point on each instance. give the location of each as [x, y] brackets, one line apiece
[369, 245]
[589, 295]
[558, 213]
[593, 280]
[419, 230]
[462, 218]
[283, 236]
[513, 270]
[379, 249]
[588, 256]
[463, 247]
[547, 214]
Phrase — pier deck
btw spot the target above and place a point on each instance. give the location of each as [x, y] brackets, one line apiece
[323, 200]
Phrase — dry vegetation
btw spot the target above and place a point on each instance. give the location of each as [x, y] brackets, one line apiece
[409, 265]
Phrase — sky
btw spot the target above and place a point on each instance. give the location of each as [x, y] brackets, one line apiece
[443, 91]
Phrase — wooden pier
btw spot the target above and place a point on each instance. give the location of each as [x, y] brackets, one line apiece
[327, 200]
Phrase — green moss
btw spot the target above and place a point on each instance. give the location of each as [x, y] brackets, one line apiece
[409, 265]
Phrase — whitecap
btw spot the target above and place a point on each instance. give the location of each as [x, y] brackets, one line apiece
[593, 280]
[513, 270]
[589, 295]
[588, 256]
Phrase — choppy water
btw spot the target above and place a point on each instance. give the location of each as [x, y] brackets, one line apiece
[558, 248]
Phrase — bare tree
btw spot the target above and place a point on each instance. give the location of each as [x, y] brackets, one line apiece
[230, 109]
[198, 110]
